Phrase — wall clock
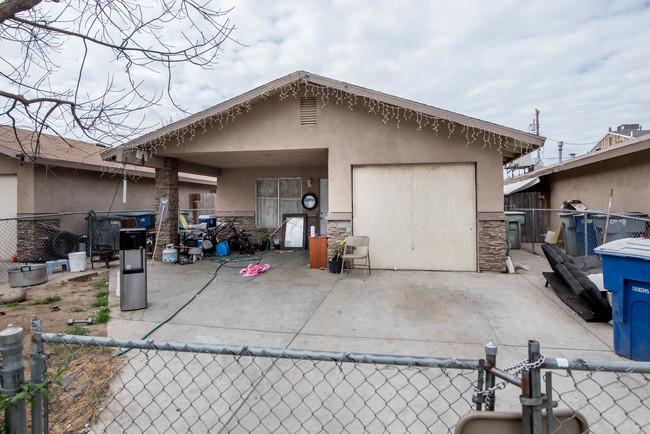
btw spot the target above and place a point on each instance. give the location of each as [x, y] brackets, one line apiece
[309, 201]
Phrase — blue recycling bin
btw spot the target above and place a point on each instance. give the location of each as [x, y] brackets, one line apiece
[592, 240]
[626, 272]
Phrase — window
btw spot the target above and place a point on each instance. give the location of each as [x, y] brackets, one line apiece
[274, 197]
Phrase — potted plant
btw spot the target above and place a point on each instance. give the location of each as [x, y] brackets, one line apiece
[335, 262]
[264, 240]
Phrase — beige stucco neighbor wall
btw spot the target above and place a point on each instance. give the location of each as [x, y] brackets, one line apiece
[24, 179]
[57, 189]
[627, 175]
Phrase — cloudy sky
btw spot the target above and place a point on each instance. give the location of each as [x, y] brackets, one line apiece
[585, 64]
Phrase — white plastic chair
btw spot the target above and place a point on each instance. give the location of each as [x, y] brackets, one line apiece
[356, 249]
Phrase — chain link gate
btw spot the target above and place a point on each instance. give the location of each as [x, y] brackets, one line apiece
[115, 385]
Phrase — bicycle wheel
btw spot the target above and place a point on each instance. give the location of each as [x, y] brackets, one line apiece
[246, 247]
[234, 243]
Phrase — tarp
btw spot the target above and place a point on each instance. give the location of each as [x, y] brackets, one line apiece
[519, 186]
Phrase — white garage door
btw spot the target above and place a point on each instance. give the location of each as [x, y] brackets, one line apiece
[418, 217]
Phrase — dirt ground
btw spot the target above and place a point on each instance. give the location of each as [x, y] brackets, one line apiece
[55, 304]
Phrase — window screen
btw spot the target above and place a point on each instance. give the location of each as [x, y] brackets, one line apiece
[276, 196]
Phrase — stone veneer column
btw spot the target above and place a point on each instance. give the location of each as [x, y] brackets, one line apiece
[167, 187]
[337, 231]
[492, 245]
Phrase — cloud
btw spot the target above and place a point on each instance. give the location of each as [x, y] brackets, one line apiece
[583, 63]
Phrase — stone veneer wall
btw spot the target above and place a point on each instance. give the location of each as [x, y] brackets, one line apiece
[167, 187]
[492, 246]
[32, 238]
[337, 230]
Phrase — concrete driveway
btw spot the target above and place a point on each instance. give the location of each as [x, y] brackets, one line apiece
[439, 314]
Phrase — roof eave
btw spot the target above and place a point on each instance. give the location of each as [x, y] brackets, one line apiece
[526, 142]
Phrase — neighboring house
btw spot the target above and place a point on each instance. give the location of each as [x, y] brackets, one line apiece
[622, 134]
[625, 167]
[424, 183]
[67, 176]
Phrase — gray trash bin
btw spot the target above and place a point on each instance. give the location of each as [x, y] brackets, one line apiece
[514, 220]
[569, 233]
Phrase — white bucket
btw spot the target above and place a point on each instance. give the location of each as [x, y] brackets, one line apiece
[77, 261]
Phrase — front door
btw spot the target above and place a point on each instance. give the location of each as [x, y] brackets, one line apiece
[324, 204]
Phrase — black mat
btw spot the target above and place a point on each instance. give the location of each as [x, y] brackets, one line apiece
[578, 304]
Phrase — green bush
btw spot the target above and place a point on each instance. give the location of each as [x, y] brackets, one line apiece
[103, 316]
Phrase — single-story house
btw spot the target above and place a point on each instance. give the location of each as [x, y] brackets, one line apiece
[68, 176]
[625, 167]
[425, 184]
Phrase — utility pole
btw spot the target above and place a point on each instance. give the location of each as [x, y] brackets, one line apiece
[559, 148]
[539, 156]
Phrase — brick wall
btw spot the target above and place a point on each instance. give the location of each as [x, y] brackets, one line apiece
[492, 246]
[167, 187]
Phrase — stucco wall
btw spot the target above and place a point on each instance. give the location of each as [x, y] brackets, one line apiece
[237, 186]
[627, 175]
[352, 137]
[25, 182]
[57, 189]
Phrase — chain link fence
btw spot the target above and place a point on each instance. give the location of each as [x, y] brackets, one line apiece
[40, 238]
[177, 387]
[47, 237]
[577, 232]
[116, 385]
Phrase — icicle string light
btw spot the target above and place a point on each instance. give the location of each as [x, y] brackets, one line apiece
[341, 97]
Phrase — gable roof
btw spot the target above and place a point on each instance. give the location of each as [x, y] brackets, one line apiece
[625, 148]
[74, 154]
[510, 142]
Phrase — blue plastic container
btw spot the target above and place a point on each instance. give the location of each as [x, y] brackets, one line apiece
[223, 249]
[209, 220]
[146, 220]
[626, 272]
[592, 240]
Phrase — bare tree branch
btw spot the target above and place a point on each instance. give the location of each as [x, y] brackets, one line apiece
[54, 54]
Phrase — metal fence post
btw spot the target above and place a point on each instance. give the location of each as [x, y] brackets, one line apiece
[532, 400]
[490, 380]
[586, 235]
[534, 230]
[13, 377]
[37, 357]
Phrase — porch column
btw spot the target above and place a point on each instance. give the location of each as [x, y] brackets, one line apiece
[492, 242]
[167, 186]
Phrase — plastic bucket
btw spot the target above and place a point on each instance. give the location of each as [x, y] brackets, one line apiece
[77, 261]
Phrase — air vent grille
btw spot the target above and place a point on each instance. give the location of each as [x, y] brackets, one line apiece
[308, 110]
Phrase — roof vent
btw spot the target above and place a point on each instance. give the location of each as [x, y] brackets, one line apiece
[308, 110]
